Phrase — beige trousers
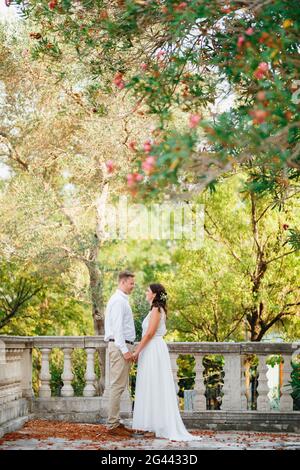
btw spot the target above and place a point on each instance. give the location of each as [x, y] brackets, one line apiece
[119, 373]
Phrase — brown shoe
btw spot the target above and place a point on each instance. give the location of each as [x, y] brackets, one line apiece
[132, 431]
[119, 431]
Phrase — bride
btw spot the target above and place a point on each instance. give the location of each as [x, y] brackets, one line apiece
[155, 407]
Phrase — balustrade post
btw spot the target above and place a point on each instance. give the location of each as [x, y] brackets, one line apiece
[67, 376]
[200, 399]
[45, 390]
[263, 403]
[105, 395]
[2, 352]
[286, 401]
[232, 383]
[90, 376]
[244, 401]
[26, 368]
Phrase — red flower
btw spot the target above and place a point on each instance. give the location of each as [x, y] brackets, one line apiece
[258, 75]
[261, 95]
[240, 41]
[160, 54]
[132, 145]
[261, 71]
[263, 66]
[149, 164]
[259, 115]
[265, 37]
[52, 4]
[249, 31]
[130, 179]
[181, 6]
[110, 166]
[133, 178]
[194, 120]
[138, 177]
[226, 10]
[147, 146]
[118, 80]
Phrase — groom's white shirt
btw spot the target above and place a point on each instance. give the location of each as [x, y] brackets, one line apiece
[119, 323]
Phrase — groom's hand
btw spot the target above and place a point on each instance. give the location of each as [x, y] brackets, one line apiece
[127, 356]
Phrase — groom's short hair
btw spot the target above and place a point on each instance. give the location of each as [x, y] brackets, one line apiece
[125, 275]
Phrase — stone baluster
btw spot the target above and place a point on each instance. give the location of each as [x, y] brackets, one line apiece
[263, 403]
[90, 376]
[244, 401]
[45, 390]
[2, 352]
[226, 387]
[105, 395]
[200, 399]
[286, 401]
[232, 383]
[67, 376]
[26, 366]
[174, 365]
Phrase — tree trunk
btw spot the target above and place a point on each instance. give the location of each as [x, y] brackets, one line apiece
[96, 277]
[253, 320]
[96, 292]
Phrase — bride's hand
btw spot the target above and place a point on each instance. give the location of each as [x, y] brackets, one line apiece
[135, 356]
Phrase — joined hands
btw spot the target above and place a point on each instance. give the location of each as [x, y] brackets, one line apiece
[131, 357]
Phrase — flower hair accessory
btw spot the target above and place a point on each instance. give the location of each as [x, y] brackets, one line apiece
[163, 296]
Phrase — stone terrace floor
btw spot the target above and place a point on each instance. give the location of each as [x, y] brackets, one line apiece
[57, 435]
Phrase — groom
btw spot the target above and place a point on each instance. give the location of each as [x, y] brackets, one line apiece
[120, 334]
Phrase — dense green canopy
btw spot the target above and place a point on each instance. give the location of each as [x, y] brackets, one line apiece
[195, 100]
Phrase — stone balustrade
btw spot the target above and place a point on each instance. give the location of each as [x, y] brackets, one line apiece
[234, 389]
[17, 400]
[67, 345]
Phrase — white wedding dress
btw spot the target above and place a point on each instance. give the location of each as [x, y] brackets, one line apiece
[155, 407]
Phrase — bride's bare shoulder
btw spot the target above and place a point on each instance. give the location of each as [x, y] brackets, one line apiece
[154, 309]
[158, 310]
